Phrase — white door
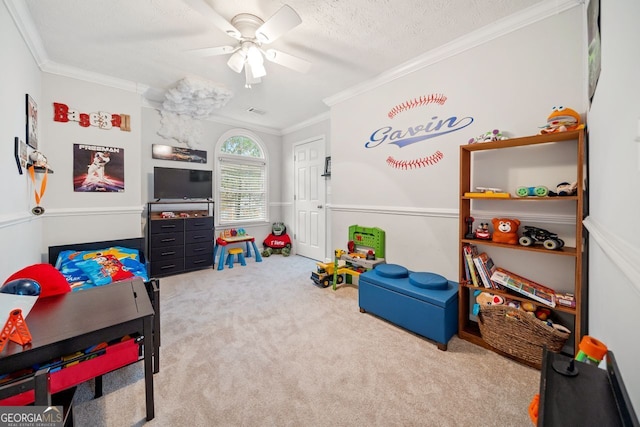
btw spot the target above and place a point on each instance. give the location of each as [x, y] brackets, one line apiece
[309, 199]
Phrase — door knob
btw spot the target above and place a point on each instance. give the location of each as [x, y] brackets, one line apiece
[319, 206]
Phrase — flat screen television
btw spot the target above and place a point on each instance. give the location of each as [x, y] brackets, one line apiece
[173, 183]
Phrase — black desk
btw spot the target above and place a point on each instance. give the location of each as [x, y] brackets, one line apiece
[64, 324]
[595, 397]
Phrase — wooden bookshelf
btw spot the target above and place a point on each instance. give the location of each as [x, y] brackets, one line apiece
[467, 327]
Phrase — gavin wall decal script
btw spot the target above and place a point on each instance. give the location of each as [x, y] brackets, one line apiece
[431, 128]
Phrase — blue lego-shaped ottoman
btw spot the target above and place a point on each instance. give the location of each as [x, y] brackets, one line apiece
[423, 303]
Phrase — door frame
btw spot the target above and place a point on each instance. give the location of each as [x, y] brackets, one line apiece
[295, 201]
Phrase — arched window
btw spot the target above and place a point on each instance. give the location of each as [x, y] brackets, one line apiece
[242, 173]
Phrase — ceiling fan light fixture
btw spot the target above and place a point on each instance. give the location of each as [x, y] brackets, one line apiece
[251, 77]
[237, 60]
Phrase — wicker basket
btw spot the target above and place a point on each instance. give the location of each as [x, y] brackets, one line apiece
[517, 333]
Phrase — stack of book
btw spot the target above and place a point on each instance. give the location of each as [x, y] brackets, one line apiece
[479, 268]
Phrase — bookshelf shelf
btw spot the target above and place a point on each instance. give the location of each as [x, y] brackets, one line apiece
[532, 148]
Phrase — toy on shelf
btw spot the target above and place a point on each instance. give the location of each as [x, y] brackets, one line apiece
[469, 234]
[278, 242]
[591, 350]
[534, 235]
[539, 191]
[482, 232]
[562, 119]
[505, 230]
[565, 189]
[485, 298]
[488, 192]
[490, 136]
[168, 214]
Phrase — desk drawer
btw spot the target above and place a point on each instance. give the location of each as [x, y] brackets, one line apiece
[167, 225]
[197, 236]
[167, 252]
[114, 357]
[163, 268]
[202, 223]
[167, 239]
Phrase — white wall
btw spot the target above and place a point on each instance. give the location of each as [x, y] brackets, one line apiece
[614, 259]
[20, 231]
[211, 131]
[510, 83]
[73, 217]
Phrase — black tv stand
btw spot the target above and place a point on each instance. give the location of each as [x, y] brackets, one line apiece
[181, 240]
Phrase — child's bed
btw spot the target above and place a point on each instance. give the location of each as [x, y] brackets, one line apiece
[130, 253]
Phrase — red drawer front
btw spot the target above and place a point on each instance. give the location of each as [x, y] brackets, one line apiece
[116, 356]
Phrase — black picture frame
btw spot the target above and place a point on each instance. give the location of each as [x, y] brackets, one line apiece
[20, 151]
[327, 166]
[31, 109]
[167, 152]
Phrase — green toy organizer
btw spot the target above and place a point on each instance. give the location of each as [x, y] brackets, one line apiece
[371, 237]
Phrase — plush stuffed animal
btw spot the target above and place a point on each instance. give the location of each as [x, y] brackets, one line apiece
[505, 230]
[485, 298]
[562, 119]
[278, 242]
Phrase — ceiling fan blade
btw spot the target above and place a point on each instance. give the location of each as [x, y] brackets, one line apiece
[213, 51]
[287, 60]
[207, 11]
[282, 21]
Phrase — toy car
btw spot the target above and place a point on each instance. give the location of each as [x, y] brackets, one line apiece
[535, 235]
[540, 191]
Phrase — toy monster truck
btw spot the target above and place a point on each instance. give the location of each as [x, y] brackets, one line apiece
[535, 235]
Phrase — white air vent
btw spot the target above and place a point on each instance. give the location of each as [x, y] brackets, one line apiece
[256, 111]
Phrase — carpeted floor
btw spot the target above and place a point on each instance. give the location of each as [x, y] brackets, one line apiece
[261, 345]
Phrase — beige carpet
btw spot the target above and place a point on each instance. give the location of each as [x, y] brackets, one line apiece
[260, 345]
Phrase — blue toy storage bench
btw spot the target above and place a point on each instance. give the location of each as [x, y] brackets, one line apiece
[423, 303]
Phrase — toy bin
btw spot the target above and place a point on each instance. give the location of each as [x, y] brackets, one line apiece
[421, 302]
[111, 358]
[518, 334]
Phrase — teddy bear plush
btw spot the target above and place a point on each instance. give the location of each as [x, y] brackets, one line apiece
[505, 230]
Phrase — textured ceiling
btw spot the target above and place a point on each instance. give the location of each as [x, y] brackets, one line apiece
[347, 42]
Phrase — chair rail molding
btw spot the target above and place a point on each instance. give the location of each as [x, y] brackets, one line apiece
[621, 254]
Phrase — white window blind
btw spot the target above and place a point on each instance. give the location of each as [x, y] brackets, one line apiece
[242, 194]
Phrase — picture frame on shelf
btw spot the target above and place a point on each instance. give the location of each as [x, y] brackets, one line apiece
[21, 154]
[32, 122]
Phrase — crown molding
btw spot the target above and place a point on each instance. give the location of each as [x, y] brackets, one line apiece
[312, 121]
[483, 35]
[89, 76]
[27, 28]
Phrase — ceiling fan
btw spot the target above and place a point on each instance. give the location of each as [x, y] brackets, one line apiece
[252, 33]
